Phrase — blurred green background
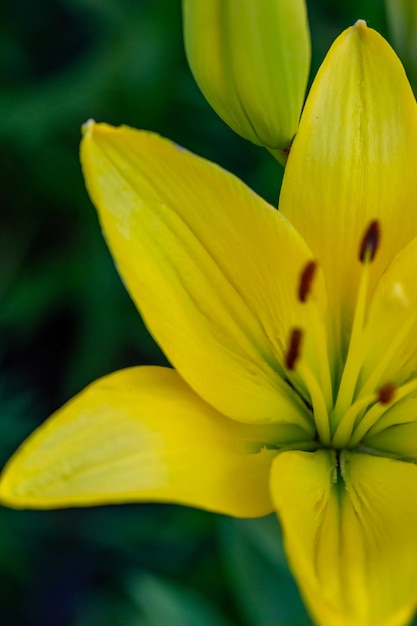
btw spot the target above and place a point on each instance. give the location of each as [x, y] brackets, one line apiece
[65, 318]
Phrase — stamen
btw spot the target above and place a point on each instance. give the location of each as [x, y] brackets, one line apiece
[370, 242]
[353, 422]
[313, 388]
[354, 359]
[351, 418]
[306, 281]
[312, 385]
[369, 420]
[396, 343]
[374, 415]
[318, 355]
[321, 416]
[386, 393]
[293, 352]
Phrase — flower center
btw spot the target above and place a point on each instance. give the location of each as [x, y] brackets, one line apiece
[345, 409]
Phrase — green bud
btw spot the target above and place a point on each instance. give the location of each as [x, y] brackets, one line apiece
[251, 60]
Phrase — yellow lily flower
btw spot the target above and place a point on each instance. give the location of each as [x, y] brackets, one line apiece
[251, 60]
[293, 337]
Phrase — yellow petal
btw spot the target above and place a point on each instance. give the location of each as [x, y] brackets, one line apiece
[213, 269]
[142, 434]
[353, 161]
[251, 61]
[352, 544]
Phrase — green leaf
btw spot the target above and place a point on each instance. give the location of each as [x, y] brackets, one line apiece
[165, 602]
[261, 580]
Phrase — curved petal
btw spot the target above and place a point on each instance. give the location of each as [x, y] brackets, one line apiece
[142, 434]
[213, 269]
[353, 161]
[351, 534]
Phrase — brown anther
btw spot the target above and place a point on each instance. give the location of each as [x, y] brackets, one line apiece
[306, 281]
[293, 352]
[370, 242]
[386, 393]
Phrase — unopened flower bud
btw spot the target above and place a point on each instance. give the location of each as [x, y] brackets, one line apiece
[251, 60]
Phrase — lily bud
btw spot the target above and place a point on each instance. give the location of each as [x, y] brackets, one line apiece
[402, 22]
[251, 60]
